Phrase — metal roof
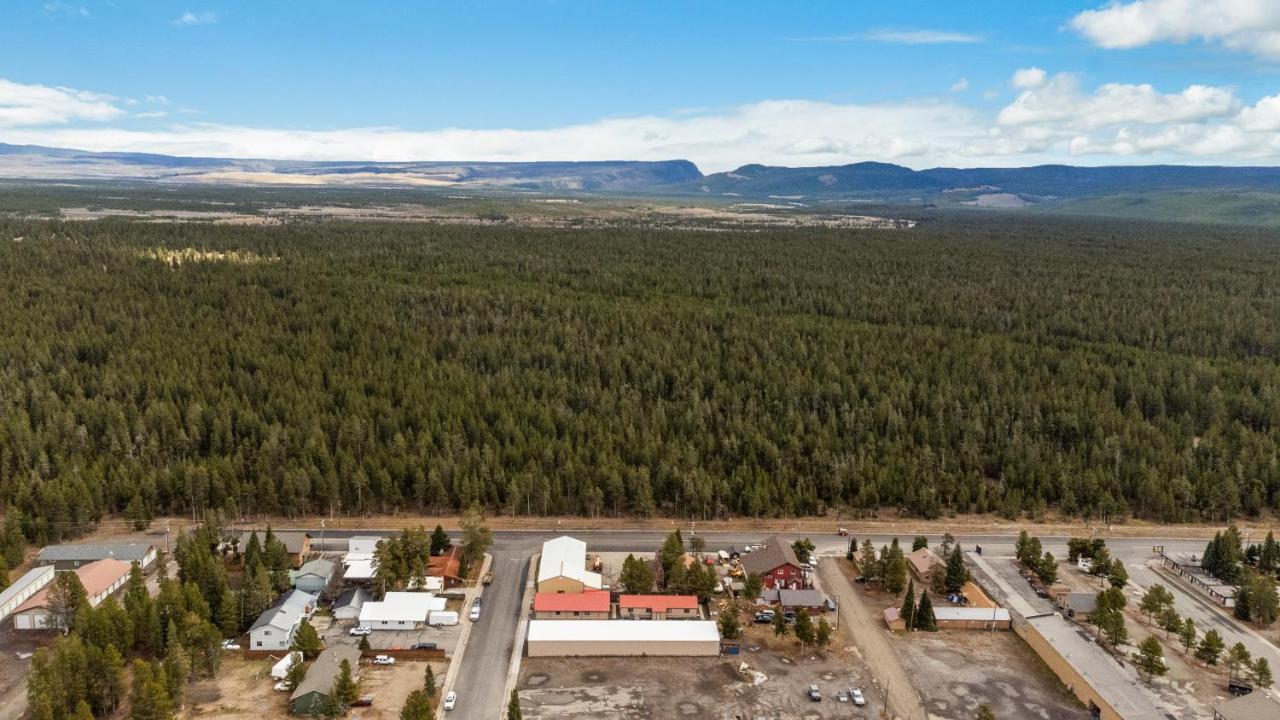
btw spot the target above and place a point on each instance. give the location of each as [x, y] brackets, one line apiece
[566, 557]
[776, 553]
[659, 603]
[96, 577]
[623, 631]
[41, 576]
[593, 601]
[402, 607]
[325, 669]
[128, 552]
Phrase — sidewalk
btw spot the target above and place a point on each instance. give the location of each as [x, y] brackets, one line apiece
[526, 607]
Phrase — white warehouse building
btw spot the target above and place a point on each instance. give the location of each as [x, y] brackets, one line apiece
[23, 588]
[400, 611]
[572, 638]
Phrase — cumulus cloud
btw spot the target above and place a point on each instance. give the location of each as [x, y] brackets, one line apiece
[42, 105]
[1062, 100]
[1054, 118]
[1248, 25]
[189, 18]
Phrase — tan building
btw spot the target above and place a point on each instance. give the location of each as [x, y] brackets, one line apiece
[659, 607]
[563, 567]
[590, 605]
[619, 638]
[922, 562]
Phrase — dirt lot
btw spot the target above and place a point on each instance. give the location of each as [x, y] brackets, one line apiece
[696, 688]
[958, 670]
[243, 690]
[13, 669]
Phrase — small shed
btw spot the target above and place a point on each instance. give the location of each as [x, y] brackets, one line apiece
[314, 576]
[1080, 605]
[348, 604]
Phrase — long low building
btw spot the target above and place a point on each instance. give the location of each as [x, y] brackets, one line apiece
[72, 556]
[400, 611]
[100, 580]
[957, 618]
[569, 638]
[32, 582]
[590, 605]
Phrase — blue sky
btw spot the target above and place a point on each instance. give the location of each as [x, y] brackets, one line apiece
[723, 83]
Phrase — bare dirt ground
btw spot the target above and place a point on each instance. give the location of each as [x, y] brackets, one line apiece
[863, 623]
[956, 671]
[243, 690]
[13, 669]
[689, 688]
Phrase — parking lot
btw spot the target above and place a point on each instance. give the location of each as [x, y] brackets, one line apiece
[444, 637]
[773, 685]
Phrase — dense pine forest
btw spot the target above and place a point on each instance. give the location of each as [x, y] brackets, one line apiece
[972, 364]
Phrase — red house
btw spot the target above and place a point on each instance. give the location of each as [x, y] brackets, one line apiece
[776, 565]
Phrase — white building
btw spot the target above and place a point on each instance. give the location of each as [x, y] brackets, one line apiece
[100, 578]
[571, 638]
[400, 611]
[563, 567]
[349, 603]
[276, 628]
[23, 588]
[363, 545]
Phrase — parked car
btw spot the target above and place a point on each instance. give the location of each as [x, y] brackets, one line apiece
[842, 696]
[284, 686]
[361, 630]
[230, 645]
[451, 700]
[363, 701]
[856, 694]
[475, 611]
[383, 660]
[842, 532]
[814, 694]
[487, 579]
[764, 616]
[425, 646]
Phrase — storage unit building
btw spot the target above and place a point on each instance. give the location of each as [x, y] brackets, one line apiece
[591, 605]
[32, 582]
[659, 607]
[100, 580]
[569, 638]
[72, 556]
[400, 611]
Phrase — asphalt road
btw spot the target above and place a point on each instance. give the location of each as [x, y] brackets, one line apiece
[488, 655]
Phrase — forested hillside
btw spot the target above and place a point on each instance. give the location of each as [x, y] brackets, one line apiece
[1002, 364]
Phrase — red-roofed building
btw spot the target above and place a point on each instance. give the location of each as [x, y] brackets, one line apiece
[659, 607]
[590, 605]
[100, 578]
[447, 565]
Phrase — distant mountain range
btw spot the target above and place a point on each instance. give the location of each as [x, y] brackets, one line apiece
[865, 181]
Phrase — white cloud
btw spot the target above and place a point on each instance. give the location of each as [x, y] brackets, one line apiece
[1054, 118]
[1028, 78]
[960, 85]
[61, 8]
[42, 105]
[1061, 100]
[1249, 25]
[189, 18]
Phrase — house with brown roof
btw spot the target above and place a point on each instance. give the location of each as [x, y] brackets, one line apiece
[589, 605]
[447, 566]
[100, 578]
[659, 607]
[922, 562]
[296, 543]
[776, 564]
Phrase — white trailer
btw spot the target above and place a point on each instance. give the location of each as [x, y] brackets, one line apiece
[443, 617]
[280, 670]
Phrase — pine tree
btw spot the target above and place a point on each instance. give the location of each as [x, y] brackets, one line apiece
[636, 577]
[1210, 648]
[804, 627]
[65, 597]
[1118, 576]
[752, 586]
[868, 564]
[417, 706]
[729, 627]
[150, 697]
[1170, 621]
[957, 573]
[920, 542]
[4, 574]
[307, 641]
[984, 713]
[1150, 658]
[345, 690]
[779, 625]
[1187, 634]
[895, 572]
[513, 707]
[439, 540]
[908, 609]
[823, 634]
[1238, 657]
[429, 682]
[1261, 673]
[924, 619]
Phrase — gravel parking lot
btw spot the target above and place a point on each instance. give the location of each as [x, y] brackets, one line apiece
[697, 688]
[445, 638]
[958, 670]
